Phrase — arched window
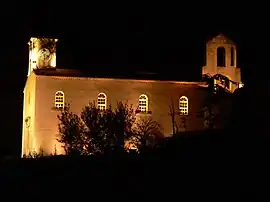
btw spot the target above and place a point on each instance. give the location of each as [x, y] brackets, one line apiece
[221, 57]
[143, 103]
[59, 100]
[232, 56]
[102, 101]
[183, 105]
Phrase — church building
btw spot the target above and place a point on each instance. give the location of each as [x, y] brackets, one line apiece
[48, 89]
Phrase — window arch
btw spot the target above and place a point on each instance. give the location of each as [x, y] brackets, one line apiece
[102, 101]
[59, 100]
[143, 103]
[183, 105]
[221, 57]
[232, 56]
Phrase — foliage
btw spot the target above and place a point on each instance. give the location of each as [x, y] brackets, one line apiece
[39, 154]
[71, 132]
[98, 131]
[147, 133]
[34, 154]
[124, 118]
[106, 130]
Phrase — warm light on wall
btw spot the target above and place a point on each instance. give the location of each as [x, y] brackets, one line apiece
[58, 149]
[29, 141]
[38, 135]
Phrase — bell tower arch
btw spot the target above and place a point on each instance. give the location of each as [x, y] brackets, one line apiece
[42, 53]
[221, 59]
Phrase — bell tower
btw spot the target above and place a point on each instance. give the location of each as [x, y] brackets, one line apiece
[221, 59]
[42, 53]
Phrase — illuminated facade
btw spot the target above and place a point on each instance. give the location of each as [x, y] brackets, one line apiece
[48, 89]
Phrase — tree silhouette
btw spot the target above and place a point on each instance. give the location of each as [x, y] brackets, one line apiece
[146, 133]
[173, 113]
[98, 131]
[124, 118]
[71, 132]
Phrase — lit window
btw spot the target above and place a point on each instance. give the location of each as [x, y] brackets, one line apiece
[143, 103]
[183, 105]
[59, 100]
[101, 102]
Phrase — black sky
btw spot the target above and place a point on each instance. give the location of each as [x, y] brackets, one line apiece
[143, 37]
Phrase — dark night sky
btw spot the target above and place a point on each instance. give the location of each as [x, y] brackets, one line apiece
[138, 37]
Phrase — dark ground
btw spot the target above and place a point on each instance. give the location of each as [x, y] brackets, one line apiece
[198, 167]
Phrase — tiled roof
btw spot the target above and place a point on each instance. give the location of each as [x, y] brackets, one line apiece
[120, 75]
[59, 72]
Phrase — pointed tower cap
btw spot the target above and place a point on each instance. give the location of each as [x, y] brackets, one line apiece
[221, 38]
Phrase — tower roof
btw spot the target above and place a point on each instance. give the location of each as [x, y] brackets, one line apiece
[221, 38]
